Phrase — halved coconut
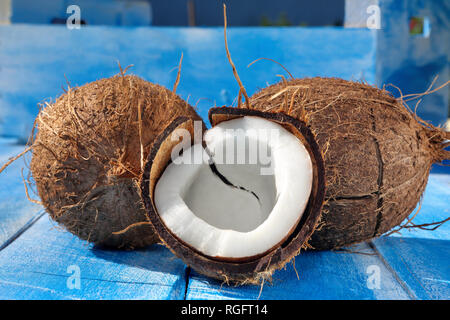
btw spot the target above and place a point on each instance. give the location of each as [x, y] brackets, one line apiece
[242, 201]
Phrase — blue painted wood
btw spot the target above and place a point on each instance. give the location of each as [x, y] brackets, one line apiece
[34, 266]
[15, 209]
[33, 65]
[421, 258]
[423, 264]
[42, 263]
[323, 275]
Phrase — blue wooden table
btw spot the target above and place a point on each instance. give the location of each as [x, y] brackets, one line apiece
[39, 260]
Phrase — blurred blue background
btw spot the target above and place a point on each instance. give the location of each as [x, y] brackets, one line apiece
[184, 12]
[409, 47]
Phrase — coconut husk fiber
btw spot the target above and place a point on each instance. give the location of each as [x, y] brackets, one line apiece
[88, 154]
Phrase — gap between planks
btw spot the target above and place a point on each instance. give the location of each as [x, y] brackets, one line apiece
[18, 233]
[402, 283]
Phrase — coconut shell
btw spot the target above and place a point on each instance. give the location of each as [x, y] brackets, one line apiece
[377, 153]
[87, 156]
[242, 270]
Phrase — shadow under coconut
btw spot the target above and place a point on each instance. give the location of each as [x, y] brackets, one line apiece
[155, 258]
[321, 275]
[44, 260]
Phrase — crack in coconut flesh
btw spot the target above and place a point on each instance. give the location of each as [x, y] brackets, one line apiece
[226, 222]
[239, 203]
[377, 153]
[87, 157]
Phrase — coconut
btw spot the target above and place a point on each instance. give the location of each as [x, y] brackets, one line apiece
[88, 153]
[377, 153]
[238, 201]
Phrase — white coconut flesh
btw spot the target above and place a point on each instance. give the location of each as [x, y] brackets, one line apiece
[245, 207]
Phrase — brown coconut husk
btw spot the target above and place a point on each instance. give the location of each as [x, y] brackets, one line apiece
[88, 154]
[251, 270]
[377, 153]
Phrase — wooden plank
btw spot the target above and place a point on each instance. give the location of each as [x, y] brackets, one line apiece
[423, 264]
[421, 258]
[15, 209]
[44, 261]
[323, 275]
[33, 66]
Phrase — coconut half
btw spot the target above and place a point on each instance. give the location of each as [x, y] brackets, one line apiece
[240, 202]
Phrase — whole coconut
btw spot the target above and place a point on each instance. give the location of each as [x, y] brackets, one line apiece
[88, 153]
[377, 153]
